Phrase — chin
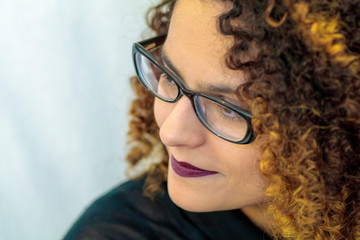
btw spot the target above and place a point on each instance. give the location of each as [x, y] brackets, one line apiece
[189, 204]
[190, 199]
[208, 194]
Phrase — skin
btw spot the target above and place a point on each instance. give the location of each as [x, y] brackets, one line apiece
[197, 49]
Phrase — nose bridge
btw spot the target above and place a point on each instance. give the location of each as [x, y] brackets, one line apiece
[181, 126]
[189, 94]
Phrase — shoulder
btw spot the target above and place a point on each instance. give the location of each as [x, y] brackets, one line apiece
[122, 213]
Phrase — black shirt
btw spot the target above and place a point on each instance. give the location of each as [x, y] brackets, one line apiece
[124, 213]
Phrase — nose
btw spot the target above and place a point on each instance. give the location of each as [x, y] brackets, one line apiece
[178, 123]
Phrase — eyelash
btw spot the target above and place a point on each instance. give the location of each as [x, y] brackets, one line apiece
[164, 77]
[232, 116]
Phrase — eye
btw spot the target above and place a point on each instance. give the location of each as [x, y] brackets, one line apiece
[227, 113]
[165, 79]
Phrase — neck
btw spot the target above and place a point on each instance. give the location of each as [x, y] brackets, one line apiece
[257, 214]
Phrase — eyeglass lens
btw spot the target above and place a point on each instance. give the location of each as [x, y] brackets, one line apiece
[218, 118]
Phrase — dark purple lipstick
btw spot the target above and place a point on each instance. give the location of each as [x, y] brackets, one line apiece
[185, 169]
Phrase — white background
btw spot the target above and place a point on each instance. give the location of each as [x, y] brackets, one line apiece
[64, 98]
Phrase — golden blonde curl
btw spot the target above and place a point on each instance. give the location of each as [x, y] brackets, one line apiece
[305, 94]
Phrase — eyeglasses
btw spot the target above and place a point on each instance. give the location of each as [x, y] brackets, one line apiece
[222, 118]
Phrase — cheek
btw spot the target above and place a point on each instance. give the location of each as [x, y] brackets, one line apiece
[245, 178]
[244, 167]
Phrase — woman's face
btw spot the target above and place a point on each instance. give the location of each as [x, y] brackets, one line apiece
[197, 50]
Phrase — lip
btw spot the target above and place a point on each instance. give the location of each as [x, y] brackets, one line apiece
[185, 169]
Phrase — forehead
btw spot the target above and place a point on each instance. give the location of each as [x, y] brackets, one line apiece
[196, 46]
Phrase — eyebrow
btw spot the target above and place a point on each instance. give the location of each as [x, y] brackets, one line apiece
[208, 88]
[169, 63]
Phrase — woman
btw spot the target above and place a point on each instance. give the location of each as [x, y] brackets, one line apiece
[255, 125]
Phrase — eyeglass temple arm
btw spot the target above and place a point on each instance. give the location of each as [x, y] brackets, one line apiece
[155, 40]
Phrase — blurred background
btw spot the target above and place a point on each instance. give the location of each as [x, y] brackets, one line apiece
[64, 98]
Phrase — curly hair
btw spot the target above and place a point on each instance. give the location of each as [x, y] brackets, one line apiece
[303, 60]
[143, 134]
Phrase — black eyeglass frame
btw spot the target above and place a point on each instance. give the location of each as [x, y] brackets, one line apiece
[141, 48]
